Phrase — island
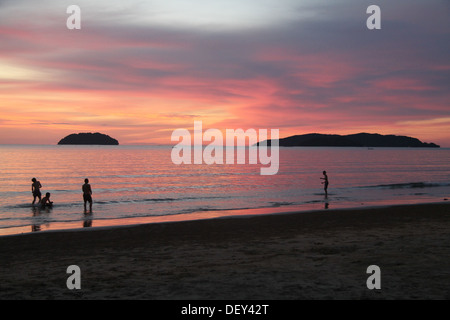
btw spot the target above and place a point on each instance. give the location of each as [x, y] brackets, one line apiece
[369, 140]
[89, 138]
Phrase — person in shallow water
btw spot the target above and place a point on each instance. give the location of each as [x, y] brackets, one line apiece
[325, 183]
[35, 189]
[46, 200]
[87, 194]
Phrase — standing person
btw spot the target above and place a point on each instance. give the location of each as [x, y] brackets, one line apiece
[325, 182]
[87, 194]
[35, 189]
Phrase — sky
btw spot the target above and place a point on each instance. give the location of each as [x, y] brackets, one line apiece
[138, 70]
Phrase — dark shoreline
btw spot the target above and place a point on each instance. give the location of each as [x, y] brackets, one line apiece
[97, 225]
[325, 254]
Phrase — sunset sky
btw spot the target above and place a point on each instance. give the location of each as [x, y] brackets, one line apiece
[137, 70]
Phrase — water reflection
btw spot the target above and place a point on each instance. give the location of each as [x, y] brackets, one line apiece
[327, 205]
[38, 211]
[87, 221]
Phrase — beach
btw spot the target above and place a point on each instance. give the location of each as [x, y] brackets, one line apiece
[291, 256]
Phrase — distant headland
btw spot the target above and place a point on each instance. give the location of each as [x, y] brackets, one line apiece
[89, 138]
[352, 140]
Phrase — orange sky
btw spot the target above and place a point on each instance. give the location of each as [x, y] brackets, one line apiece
[298, 71]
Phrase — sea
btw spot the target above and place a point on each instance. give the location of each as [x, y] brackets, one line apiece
[141, 184]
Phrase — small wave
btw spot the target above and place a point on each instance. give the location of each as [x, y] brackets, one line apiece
[206, 209]
[19, 206]
[114, 202]
[409, 185]
[37, 206]
[313, 201]
[160, 199]
[281, 203]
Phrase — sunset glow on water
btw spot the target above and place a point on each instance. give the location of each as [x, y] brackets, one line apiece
[137, 184]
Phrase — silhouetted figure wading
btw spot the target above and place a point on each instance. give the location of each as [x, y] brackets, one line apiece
[87, 194]
[325, 183]
[35, 189]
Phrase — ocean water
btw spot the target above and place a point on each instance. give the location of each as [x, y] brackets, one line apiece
[136, 184]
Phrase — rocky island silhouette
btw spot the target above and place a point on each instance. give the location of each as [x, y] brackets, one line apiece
[88, 139]
[369, 140]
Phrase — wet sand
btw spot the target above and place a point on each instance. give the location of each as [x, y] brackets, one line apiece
[317, 255]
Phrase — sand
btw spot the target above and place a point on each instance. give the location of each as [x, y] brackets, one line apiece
[317, 255]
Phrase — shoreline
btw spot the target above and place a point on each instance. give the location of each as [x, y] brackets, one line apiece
[315, 255]
[195, 216]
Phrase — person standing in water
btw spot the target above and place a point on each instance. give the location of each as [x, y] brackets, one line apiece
[35, 189]
[325, 183]
[87, 194]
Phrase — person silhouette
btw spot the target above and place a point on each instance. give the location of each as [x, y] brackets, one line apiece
[87, 194]
[35, 190]
[325, 183]
[46, 200]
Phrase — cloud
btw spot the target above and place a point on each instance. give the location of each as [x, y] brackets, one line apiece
[298, 66]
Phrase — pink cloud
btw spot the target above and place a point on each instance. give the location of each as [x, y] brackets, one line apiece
[141, 82]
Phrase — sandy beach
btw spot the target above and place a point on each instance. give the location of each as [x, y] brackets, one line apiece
[315, 255]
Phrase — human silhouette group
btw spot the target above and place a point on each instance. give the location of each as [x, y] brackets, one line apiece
[87, 192]
[45, 201]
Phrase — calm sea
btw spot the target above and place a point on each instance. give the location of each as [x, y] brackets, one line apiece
[136, 184]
